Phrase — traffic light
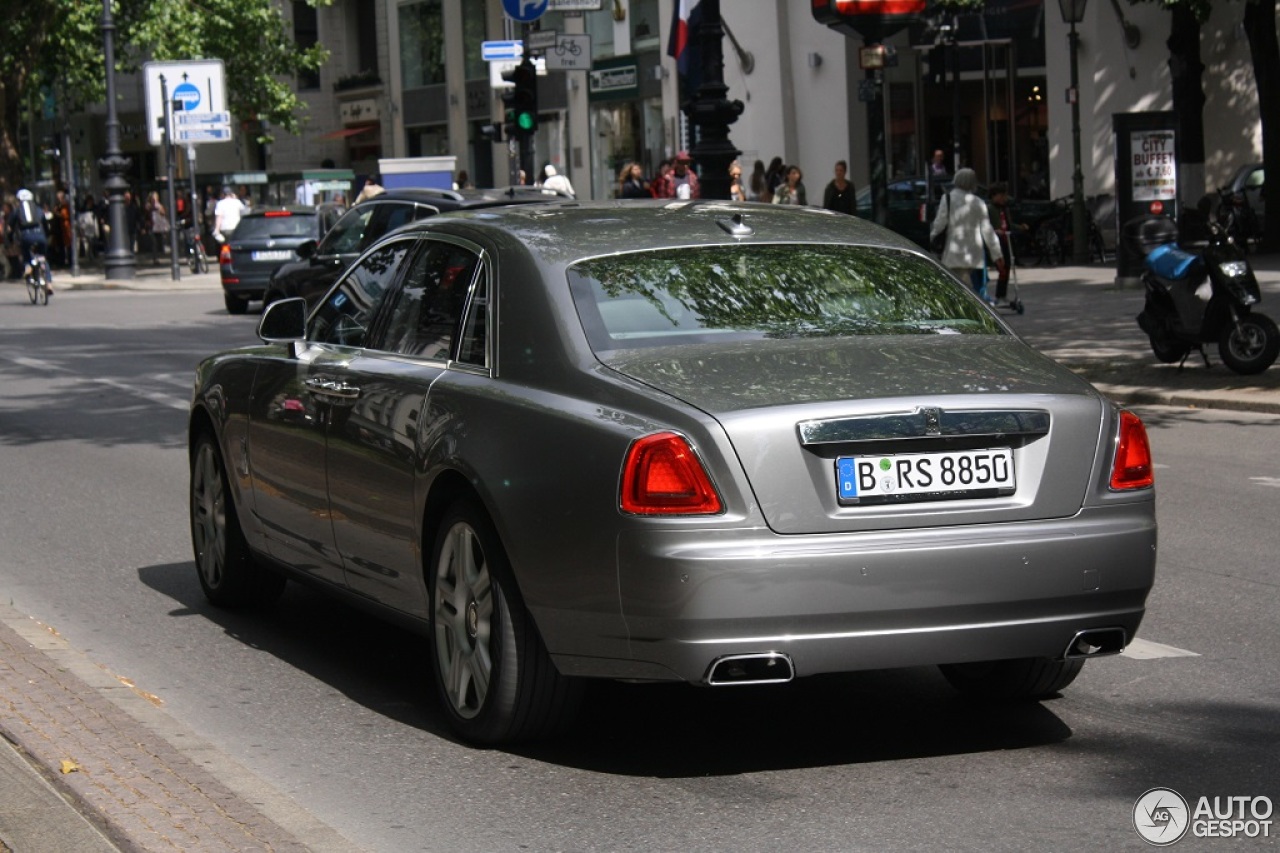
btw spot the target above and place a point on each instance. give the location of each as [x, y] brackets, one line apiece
[521, 100]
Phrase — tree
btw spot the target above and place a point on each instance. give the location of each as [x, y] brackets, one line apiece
[1264, 46]
[1187, 17]
[53, 48]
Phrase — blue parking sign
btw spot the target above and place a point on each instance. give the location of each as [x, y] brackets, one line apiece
[525, 11]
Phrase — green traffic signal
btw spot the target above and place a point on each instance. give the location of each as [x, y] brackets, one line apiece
[525, 121]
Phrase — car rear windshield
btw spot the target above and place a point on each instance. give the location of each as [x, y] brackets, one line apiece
[276, 227]
[698, 295]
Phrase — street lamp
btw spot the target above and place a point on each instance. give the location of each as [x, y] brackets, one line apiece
[119, 264]
[1072, 14]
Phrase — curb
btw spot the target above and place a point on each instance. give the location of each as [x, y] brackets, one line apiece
[146, 780]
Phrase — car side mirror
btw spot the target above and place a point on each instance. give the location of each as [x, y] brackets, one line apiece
[283, 321]
[307, 249]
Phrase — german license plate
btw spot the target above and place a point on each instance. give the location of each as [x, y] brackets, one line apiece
[272, 255]
[907, 477]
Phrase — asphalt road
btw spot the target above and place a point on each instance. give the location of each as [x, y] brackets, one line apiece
[334, 710]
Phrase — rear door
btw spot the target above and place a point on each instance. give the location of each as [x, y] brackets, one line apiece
[373, 446]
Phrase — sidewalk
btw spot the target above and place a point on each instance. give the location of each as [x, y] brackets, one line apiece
[146, 277]
[1076, 315]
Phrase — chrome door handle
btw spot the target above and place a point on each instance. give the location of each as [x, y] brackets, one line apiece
[332, 388]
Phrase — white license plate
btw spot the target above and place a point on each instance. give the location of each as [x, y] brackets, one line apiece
[906, 477]
[272, 255]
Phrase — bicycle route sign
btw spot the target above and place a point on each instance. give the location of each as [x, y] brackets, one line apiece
[571, 53]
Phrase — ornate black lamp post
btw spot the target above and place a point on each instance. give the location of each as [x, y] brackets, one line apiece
[1073, 13]
[113, 166]
[710, 111]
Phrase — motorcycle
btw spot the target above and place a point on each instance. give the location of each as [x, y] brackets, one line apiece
[1194, 299]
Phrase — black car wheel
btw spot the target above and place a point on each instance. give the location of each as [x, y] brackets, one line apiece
[228, 574]
[1005, 680]
[1250, 346]
[494, 675]
[235, 305]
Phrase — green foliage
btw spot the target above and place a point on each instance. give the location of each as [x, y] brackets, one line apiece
[251, 37]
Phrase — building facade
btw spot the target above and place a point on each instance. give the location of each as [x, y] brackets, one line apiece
[406, 78]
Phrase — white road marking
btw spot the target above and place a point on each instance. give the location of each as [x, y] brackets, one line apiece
[1147, 650]
[168, 400]
[1273, 482]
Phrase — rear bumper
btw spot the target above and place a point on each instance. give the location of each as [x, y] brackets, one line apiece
[845, 602]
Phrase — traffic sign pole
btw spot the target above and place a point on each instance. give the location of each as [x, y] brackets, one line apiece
[169, 174]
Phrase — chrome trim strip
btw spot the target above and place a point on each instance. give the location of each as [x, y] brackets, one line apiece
[924, 422]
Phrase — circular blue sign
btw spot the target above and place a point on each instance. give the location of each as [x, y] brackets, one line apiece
[188, 94]
[525, 11]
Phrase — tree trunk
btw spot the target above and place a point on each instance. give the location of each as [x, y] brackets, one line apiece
[1187, 72]
[1260, 24]
[10, 158]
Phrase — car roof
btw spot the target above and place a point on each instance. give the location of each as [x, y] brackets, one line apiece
[565, 232]
[446, 200]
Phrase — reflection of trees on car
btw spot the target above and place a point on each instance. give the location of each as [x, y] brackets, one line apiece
[791, 291]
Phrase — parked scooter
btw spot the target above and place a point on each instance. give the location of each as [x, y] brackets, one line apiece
[1237, 218]
[1195, 299]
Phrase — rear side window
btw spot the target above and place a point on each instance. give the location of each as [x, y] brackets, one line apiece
[347, 312]
[762, 292]
[424, 317]
[276, 227]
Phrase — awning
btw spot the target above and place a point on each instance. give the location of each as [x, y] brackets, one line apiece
[347, 131]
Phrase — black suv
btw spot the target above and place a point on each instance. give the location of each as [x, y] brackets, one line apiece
[361, 226]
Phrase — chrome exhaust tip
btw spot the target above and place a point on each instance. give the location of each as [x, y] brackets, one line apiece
[1096, 642]
[762, 668]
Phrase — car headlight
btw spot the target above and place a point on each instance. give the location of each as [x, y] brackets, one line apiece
[1234, 269]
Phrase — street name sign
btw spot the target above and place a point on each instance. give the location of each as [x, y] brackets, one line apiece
[491, 51]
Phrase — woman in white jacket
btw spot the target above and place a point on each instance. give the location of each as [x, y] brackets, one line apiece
[965, 218]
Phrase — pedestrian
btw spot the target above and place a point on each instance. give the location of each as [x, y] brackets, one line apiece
[1004, 224]
[737, 192]
[682, 183]
[372, 189]
[63, 232]
[967, 224]
[462, 181]
[938, 166]
[9, 243]
[775, 174]
[791, 191]
[553, 180]
[758, 188]
[839, 194]
[159, 224]
[631, 183]
[226, 215]
[659, 182]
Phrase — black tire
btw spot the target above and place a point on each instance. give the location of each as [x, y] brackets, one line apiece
[33, 291]
[226, 569]
[1251, 346]
[235, 305]
[1012, 680]
[493, 674]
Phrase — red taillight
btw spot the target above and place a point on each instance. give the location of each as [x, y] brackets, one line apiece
[278, 213]
[224, 254]
[663, 476]
[1132, 466]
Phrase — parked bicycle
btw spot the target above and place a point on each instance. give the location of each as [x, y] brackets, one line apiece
[195, 251]
[1050, 235]
[39, 280]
